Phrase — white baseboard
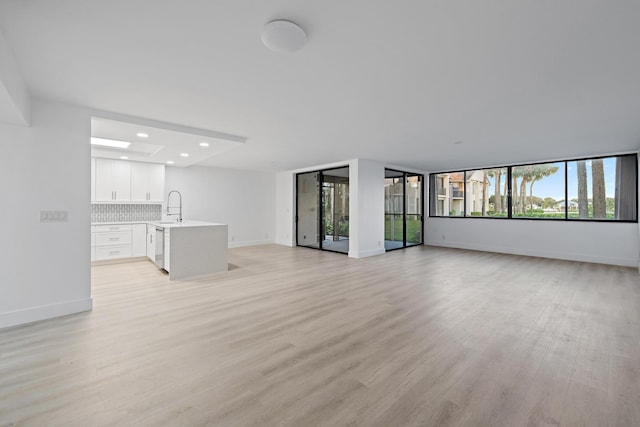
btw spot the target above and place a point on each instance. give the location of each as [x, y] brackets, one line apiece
[367, 253]
[250, 243]
[285, 243]
[34, 314]
[630, 262]
[119, 260]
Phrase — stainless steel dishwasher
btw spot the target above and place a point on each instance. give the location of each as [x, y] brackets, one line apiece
[159, 260]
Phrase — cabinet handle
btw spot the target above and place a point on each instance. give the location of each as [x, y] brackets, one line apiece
[114, 238]
[150, 238]
[114, 252]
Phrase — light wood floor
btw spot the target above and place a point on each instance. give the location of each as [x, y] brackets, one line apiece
[294, 336]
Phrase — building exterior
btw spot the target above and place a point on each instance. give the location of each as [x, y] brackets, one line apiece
[451, 188]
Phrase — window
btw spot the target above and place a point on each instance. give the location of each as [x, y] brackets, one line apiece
[448, 200]
[599, 189]
[487, 192]
[603, 189]
[538, 191]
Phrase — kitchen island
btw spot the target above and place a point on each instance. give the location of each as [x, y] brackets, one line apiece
[193, 248]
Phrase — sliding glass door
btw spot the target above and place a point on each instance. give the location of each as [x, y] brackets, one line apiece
[335, 210]
[308, 204]
[393, 209]
[414, 203]
[403, 209]
[323, 209]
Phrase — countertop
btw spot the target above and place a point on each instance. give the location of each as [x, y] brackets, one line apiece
[164, 224]
[183, 224]
[121, 222]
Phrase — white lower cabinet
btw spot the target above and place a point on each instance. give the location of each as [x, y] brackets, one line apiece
[139, 240]
[112, 238]
[93, 243]
[167, 249]
[118, 241]
[151, 242]
[113, 252]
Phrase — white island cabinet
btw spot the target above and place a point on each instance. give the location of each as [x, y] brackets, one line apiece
[193, 248]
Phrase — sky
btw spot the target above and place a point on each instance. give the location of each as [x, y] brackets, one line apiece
[553, 185]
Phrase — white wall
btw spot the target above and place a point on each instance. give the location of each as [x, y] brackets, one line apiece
[245, 200]
[285, 209]
[366, 224]
[45, 266]
[607, 243]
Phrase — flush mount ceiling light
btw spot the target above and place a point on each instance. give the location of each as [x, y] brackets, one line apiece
[283, 36]
[142, 135]
[110, 143]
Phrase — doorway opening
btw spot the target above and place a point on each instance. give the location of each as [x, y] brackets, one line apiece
[322, 209]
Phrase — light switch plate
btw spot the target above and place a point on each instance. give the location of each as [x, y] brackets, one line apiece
[54, 216]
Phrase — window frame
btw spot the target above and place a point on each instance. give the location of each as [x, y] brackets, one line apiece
[566, 191]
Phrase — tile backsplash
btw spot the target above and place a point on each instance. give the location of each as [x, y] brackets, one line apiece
[122, 212]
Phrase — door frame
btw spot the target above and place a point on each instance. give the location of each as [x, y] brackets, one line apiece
[406, 174]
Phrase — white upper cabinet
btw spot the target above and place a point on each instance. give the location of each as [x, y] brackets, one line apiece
[113, 180]
[122, 180]
[139, 191]
[147, 182]
[155, 182]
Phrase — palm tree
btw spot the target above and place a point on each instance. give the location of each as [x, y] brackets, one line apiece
[583, 198]
[497, 199]
[518, 201]
[538, 172]
[599, 196]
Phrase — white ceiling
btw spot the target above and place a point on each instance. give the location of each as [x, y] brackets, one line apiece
[160, 145]
[395, 81]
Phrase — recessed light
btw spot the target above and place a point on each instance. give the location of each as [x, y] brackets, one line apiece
[184, 154]
[170, 162]
[204, 144]
[124, 157]
[110, 143]
[142, 135]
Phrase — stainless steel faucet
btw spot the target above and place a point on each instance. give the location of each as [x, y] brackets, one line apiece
[174, 207]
